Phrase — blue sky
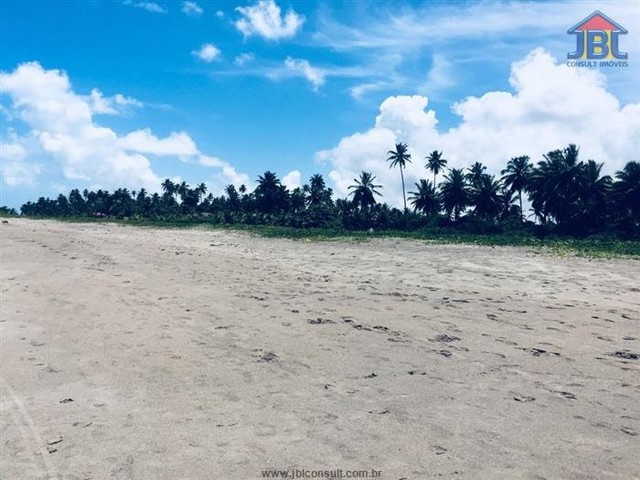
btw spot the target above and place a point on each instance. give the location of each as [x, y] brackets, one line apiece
[126, 93]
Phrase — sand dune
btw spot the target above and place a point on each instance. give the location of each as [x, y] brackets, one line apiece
[132, 353]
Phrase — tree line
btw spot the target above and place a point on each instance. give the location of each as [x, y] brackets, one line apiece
[567, 196]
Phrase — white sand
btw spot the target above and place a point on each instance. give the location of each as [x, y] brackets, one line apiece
[189, 355]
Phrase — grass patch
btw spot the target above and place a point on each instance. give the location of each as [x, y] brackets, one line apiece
[591, 247]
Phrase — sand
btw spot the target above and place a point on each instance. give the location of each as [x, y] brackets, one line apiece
[133, 353]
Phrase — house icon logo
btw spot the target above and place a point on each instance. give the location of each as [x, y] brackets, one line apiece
[597, 43]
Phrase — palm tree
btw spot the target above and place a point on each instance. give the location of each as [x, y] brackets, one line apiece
[592, 195]
[487, 198]
[169, 189]
[515, 177]
[425, 199]
[476, 174]
[552, 185]
[317, 191]
[626, 193]
[399, 158]
[270, 194]
[233, 198]
[454, 192]
[364, 190]
[435, 164]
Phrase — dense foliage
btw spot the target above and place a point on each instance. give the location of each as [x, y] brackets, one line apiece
[567, 197]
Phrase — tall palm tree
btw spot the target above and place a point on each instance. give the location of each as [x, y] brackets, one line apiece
[515, 177]
[169, 189]
[270, 194]
[552, 185]
[476, 174]
[317, 191]
[364, 190]
[425, 198]
[626, 193]
[435, 164]
[399, 158]
[592, 195]
[454, 192]
[487, 198]
[233, 198]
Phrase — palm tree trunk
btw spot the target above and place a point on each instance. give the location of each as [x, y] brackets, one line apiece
[521, 212]
[434, 179]
[404, 198]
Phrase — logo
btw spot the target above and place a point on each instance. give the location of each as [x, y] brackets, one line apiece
[597, 43]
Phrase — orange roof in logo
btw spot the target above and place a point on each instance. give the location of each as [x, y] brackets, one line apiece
[597, 21]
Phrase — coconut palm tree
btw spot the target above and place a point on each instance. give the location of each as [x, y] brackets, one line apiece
[316, 191]
[271, 196]
[233, 198]
[487, 198]
[626, 193]
[592, 195]
[454, 192]
[364, 190]
[552, 185]
[435, 164]
[399, 158]
[425, 198]
[169, 189]
[476, 174]
[515, 177]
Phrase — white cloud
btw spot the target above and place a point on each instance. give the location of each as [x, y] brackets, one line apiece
[360, 90]
[207, 52]
[439, 77]
[265, 20]
[472, 36]
[143, 141]
[227, 174]
[220, 14]
[244, 58]
[15, 168]
[191, 8]
[61, 130]
[303, 68]
[413, 27]
[148, 6]
[292, 179]
[551, 105]
[4, 112]
[116, 105]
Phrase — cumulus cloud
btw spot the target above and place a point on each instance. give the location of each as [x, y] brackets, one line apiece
[148, 6]
[61, 130]
[265, 20]
[191, 8]
[143, 141]
[292, 179]
[207, 53]
[14, 167]
[550, 106]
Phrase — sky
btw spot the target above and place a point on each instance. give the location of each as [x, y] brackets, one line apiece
[108, 94]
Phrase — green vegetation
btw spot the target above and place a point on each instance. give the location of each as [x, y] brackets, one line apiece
[8, 212]
[574, 207]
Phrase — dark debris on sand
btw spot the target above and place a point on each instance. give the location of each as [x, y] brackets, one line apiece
[445, 338]
[625, 355]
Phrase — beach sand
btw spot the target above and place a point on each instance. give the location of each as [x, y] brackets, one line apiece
[134, 353]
